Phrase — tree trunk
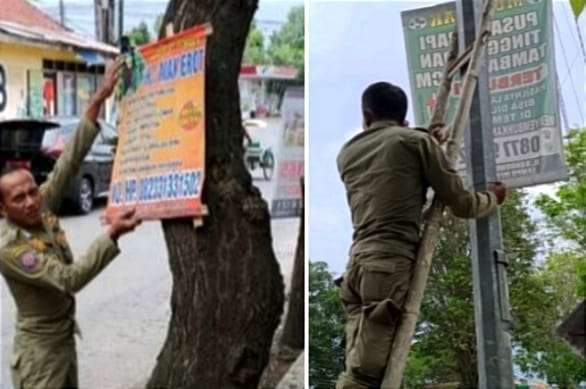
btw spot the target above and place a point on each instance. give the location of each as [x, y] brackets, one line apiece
[293, 332]
[227, 289]
[466, 359]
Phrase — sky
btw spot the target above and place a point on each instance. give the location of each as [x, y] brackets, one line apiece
[352, 44]
[79, 13]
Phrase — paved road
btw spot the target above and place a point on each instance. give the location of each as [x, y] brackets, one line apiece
[123, 314]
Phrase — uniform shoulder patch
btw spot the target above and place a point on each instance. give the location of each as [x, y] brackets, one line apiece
[38, 244]
[29, 261]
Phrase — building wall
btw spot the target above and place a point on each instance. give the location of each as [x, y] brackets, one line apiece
[254, 96]
[16, 60]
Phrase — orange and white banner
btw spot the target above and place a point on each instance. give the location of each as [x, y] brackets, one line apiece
[160, 161]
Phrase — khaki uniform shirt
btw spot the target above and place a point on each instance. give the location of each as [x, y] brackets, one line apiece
[38, 265]
[387, 170]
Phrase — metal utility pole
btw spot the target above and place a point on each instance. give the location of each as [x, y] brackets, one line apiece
[62, 12]
[104, 13]
[492, 313]
[111, 22]
[97, 18]
[120, 19]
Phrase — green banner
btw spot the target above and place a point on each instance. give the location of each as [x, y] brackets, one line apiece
[522, 81]
[35, 93]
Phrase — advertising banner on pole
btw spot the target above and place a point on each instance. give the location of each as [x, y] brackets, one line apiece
[523, 84]
[288, 199]
[160, 157]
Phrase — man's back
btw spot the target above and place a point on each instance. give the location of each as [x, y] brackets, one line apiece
[386, 188]
[387, 170]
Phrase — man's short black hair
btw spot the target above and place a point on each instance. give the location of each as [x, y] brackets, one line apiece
[385, 101]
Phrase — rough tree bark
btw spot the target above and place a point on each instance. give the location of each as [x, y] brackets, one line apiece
[294, 330]
[227, 293]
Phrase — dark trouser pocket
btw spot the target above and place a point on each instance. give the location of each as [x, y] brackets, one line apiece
[367, 359]
[379, 282]
[386, 312]
[383, 291]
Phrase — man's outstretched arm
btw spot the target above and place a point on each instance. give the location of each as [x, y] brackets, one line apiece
[35, 267]
[76, 149]
[449, 188]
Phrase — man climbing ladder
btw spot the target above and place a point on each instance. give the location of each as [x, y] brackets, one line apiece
[386, 171]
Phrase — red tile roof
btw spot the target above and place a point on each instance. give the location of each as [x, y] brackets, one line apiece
[23, 12]
[22, 21]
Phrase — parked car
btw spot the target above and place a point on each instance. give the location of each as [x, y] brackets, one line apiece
[36, 145]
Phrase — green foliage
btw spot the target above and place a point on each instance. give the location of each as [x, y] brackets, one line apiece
[446, 324]
[254, 52]
[543, 352]
[287, 46]
[562, 366]
[578, 6]
[581, 275]
[326, 328]
[562, 279]
[561, 271]
[445, 347]
[446, 331]
[565, 212]
[425, 368]
[140, 35]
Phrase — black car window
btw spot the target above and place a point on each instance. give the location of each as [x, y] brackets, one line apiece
[19, 138]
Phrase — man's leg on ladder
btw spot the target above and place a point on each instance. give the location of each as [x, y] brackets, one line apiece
[380, 288]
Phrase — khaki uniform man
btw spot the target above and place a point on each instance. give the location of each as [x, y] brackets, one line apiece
[37, 263]
[387, 170]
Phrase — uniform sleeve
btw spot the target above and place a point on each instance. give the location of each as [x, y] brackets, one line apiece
[67, 166]
[448, 185]
[22, 262]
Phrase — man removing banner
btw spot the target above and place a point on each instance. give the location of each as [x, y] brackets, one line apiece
[386, 171]
[37, 263]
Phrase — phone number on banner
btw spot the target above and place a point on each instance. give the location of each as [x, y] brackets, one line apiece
[172, 186]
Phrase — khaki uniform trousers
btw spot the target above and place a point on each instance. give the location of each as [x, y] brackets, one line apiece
[35, 367]
[373, 293]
